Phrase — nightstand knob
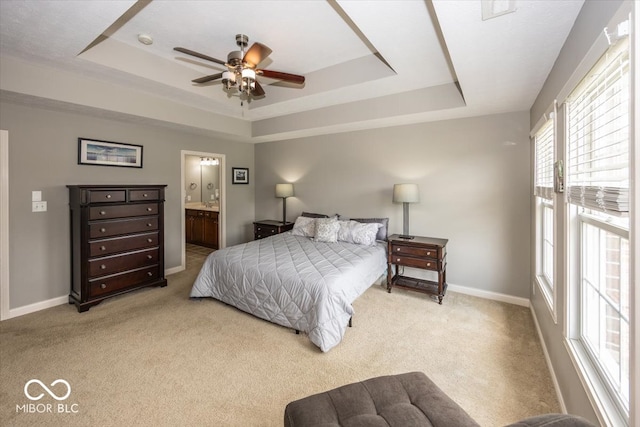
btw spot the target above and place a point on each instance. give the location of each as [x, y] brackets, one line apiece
[398, 249]
[428, 264]
[398, 260]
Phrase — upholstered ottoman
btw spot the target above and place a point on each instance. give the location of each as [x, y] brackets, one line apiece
[402, 400]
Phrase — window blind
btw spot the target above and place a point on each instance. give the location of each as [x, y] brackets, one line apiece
[544, 147]
[598, 134]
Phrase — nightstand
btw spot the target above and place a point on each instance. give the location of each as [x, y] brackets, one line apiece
[425, 253]
[270, 227]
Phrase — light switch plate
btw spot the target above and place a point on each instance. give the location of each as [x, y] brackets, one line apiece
[36, 196]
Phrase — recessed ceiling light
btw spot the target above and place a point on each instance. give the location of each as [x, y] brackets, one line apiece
[145, 39]
[494, 8]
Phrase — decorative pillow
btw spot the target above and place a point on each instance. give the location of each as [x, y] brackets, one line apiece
[327, 230]
[304, 226]
[358, 232]
[382, 231]
[313, 215]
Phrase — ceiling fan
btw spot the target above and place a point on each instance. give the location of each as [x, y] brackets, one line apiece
[242, 71]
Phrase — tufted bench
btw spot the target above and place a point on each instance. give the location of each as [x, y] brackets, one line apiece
[409, 399]
[396, 400]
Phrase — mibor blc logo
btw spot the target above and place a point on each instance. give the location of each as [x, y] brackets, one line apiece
[35, 390]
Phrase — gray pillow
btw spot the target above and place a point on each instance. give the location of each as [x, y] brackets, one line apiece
[382, 231]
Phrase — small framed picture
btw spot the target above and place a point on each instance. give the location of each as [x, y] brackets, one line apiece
[240, 175]
[105, 153]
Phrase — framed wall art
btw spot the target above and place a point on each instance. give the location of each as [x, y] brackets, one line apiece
[240, 175]
[105, 153]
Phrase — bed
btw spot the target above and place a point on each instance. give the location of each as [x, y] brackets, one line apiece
[298, 279]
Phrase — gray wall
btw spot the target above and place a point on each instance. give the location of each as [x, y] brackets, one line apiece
[474, 183]
[593, 17]
[43, 156]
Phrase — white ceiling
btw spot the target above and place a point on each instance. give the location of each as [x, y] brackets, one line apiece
[367, 63]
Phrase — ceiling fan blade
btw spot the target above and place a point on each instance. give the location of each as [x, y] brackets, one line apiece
[199, 55]
[278, 75]
[256, 54]
[207, 78]
[258, 90]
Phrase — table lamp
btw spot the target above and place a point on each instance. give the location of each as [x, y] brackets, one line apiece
[405, 194]
[283, 191]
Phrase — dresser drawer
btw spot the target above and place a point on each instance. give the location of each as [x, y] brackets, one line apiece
[121, 211]
[416, 251]
[113, 228]
[408, 261]
[265, 231]
[122, 244]
[117, 282]
[141, 195]
[107, 196]
[118, 263]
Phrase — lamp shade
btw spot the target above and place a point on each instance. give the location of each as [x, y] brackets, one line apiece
[284, 190]
[406, 193]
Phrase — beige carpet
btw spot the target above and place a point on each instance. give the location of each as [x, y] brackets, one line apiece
[156, 358]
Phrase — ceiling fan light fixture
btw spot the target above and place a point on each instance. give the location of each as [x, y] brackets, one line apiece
[248, 79]
[228, 80]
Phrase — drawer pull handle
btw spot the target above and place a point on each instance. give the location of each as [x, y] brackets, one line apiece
[149, 274]
[103, 286]
[428, 253]
[150, 256]
[108, 196]
[149, 224]
[102, 230]
[398, 260]
[103, 267]
[145, 195]
[103, 213]
[150, 240]
[103, 248]
[428, 264]
[149, 209]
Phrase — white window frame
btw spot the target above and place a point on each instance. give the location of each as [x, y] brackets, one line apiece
[544, 202]
[609, 408]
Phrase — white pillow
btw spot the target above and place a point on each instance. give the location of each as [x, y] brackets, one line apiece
[327, 230]
[304, 226]
[358, 232]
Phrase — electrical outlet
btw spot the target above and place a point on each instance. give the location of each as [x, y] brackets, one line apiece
[188, 198]
[38, 206]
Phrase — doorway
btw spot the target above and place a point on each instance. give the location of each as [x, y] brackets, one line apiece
[5, 305]
[203, 184]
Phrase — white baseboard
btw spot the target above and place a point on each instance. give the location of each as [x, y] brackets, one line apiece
[496, 296]
[32, 308]
[547, 358]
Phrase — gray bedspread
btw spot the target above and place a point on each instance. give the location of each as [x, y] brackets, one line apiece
[294, 282]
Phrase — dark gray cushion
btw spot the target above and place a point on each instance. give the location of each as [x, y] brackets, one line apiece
[553, 420]
[409, 399]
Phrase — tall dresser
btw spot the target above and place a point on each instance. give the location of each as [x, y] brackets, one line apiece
[117, 240]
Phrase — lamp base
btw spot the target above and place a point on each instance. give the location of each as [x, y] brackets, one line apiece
[404, 236]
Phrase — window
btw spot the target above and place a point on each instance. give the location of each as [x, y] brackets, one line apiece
[544, 155]
[598, 197]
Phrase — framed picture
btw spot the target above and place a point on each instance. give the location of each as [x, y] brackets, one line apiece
[240, 175]
[105, 153]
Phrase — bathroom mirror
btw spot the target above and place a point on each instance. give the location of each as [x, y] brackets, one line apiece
[202, 179]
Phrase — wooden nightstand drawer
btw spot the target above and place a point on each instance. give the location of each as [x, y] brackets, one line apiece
[407, 261]
[429, 252]
[268, 227]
